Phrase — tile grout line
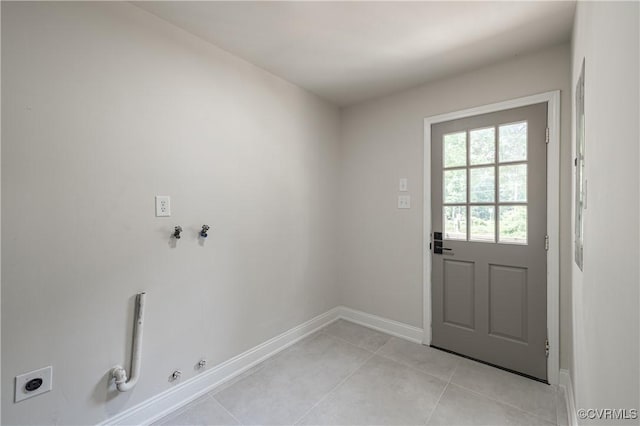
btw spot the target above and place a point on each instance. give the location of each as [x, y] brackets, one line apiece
[454, 372]
[499, 400]
[321, 331]
[340, 339]
[212, 396]
[399, 362]
[406, 364]
[411, 367]
[506, 403]
[353, 344]
[225, 409]
[435, 406]
[372, 354]
[180, 411]
[566, 416]
[433, 410]
[402, 363]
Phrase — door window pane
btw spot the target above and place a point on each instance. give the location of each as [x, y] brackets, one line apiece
[513, 224]
[482, 149]
[482, 185]
[455, 186]
[455, 222]
[513, 183]
[483, 225]
[454, 147]
[513, 142]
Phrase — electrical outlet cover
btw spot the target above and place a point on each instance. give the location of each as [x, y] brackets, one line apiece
[163, 206]
[404, 201]
[45, 374]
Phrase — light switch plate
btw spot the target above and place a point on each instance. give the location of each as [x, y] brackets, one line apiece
[403, 185]
[45, 374]
[163, 206]
[404, 201]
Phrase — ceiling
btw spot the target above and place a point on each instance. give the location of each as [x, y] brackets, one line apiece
[348, 52]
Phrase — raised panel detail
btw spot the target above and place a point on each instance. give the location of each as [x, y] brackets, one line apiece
[508, 302]
[458, 308]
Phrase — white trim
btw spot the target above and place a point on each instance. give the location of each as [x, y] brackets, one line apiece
[553, 215]
[569, 397]
[395, 328]
[170, 400]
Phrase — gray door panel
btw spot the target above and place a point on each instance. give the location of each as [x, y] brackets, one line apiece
[458, 293]
[489, 297]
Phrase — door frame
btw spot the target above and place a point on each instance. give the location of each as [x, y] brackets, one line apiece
[552, 99]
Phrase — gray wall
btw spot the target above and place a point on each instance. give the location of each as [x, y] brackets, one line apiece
[380, 268]
[0, 226]
[606, 293]
[105, 106]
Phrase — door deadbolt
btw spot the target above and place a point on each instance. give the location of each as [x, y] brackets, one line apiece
[438, 248]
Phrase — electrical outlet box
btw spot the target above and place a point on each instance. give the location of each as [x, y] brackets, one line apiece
[163, 206]
[404, 202]
[403, 185]
[33, 383]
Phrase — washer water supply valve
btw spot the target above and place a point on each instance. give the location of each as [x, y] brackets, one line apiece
[176, 232]
[175, 376]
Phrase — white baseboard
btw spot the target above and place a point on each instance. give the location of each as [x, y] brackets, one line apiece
[565, 382]
[172, 399]
[395, 328]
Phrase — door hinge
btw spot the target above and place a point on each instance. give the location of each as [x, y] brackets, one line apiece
[546, 242]
[546, 136]
[546, 348]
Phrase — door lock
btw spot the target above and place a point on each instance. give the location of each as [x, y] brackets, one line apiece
[438, 248]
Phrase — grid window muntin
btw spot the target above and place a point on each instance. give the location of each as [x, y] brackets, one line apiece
[496, 204]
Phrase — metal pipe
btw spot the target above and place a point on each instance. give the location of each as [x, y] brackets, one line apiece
[118, 372]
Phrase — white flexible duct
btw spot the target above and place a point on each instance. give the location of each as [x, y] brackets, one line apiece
[118, 372]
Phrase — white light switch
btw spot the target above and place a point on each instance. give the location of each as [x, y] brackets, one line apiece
[163, 205]
[404, 185]
[33, 383]
[404, 201]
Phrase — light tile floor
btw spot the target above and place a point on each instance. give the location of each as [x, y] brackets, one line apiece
[347, 374]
